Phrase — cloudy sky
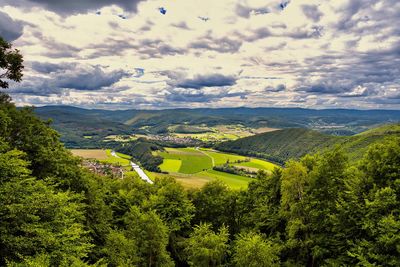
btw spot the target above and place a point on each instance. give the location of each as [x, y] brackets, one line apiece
[122, 54]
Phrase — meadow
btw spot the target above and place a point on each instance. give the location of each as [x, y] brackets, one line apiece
[193, 167]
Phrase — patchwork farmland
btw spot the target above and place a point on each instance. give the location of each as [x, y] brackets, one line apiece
[193, 167]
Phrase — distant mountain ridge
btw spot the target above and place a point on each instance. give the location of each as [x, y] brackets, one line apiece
[282, 145]
[75, 124]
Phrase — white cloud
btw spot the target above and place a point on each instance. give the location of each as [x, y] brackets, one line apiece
[310, 53]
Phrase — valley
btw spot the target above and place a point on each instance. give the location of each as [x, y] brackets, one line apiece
[230, 145]
[94, 128]
[192, 167]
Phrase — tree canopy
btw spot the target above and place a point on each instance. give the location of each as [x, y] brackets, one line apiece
[11, 64]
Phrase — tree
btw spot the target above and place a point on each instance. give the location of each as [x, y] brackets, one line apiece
[36, 218]
[212, 204]
[261, 204]
[171, 203]
[206, 248]
[10, 64]
[140, 241]
[252, 250]
[369, 209]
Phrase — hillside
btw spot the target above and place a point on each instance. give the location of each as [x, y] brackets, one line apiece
[279, 146]
[80, 126]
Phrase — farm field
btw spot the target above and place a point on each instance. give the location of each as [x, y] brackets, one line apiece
[191, 160]
[103, 155]
[220, 158]
[193, 167]
[257, 164]
[99, 154]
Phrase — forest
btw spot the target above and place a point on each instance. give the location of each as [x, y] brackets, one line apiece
[320, 210]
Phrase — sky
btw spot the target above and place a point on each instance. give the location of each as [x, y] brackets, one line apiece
[153, 54]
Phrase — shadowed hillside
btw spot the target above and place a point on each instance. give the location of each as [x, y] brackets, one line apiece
[279, 146]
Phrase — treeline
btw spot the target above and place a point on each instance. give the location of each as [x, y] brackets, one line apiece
[234, 170]
[141, 150]
[318, 211]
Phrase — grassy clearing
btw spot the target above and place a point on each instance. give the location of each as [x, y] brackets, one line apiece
[257, 164]
[171, 165]
[192, 161]
[232, 180]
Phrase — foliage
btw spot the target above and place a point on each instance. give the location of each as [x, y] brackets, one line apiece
[10, 64]
[234, 170]
[253, 251]
[207, 248]
[37, 218]
[141, 150]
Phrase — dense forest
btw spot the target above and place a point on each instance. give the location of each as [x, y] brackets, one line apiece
[317, 211]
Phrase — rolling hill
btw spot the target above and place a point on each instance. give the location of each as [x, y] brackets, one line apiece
[86, 127]
[279, 146]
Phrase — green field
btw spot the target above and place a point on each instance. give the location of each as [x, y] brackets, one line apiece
[122, 159]
[221, 158]
[193, 167]
[257, 164]
[172, 165]
[232, 180]
[191, 160]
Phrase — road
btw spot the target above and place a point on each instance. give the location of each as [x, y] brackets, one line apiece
[136, 168]
[141, 173]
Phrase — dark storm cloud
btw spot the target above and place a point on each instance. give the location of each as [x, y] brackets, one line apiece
[201, 81]
[10, 29]
[312, 12]
[67, 76]
[67, 7]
